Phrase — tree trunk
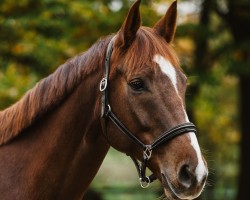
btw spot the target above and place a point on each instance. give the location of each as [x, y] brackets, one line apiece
[244, 87]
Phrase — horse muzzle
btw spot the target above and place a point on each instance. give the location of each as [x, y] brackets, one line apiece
[185, 184]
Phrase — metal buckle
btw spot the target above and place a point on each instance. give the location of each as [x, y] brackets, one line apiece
[147, 152]
[103, 84]
[108, 110]
[144, 184]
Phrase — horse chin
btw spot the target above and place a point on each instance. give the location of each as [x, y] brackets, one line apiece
[169, 195]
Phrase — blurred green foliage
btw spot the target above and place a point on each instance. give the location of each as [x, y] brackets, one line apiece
[36, 36]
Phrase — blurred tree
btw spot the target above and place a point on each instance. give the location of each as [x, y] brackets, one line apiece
[237, 16]
[38, 36]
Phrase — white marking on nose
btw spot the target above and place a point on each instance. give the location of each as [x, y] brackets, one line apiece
[200, 170]
[169, 70]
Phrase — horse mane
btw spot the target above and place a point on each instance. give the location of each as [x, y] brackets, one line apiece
[53, 89]
[49, 92]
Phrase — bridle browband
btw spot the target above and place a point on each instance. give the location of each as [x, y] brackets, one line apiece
[106, 113]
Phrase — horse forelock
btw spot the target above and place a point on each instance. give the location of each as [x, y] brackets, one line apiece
[49, 92]
[140, 55]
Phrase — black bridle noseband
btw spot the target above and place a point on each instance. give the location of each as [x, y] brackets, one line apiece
[107, 113]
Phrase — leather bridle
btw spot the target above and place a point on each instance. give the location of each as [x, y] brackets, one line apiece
[107, 113]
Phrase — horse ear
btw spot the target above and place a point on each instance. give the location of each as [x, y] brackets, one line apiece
[167, 24]
[130, 26]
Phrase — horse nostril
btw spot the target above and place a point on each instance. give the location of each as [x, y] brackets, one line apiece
[185, 176]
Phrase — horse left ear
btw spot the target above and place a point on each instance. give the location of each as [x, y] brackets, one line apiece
[166, 26]
[130, 26]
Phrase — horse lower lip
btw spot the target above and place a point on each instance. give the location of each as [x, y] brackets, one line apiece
[168, 188]
[176, 193]
[164, 180]
[170, 192]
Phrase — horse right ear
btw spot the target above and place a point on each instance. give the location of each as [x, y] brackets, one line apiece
[130, 26]
[166, 26]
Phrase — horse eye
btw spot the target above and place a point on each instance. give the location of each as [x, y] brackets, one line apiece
[137, 84]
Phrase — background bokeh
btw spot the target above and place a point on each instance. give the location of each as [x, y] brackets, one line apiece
[212, 41]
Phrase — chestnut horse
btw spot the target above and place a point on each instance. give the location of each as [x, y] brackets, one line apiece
[53, 141]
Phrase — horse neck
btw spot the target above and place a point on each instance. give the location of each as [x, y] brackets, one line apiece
[80, 131]
[62, 151]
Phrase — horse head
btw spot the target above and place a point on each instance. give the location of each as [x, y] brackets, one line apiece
[146, 98]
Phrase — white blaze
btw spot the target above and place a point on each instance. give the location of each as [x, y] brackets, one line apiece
[169, 70]
[200, 170]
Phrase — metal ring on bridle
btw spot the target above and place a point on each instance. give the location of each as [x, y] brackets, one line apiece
[103, 84]
[144, 184]
[108, 110]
